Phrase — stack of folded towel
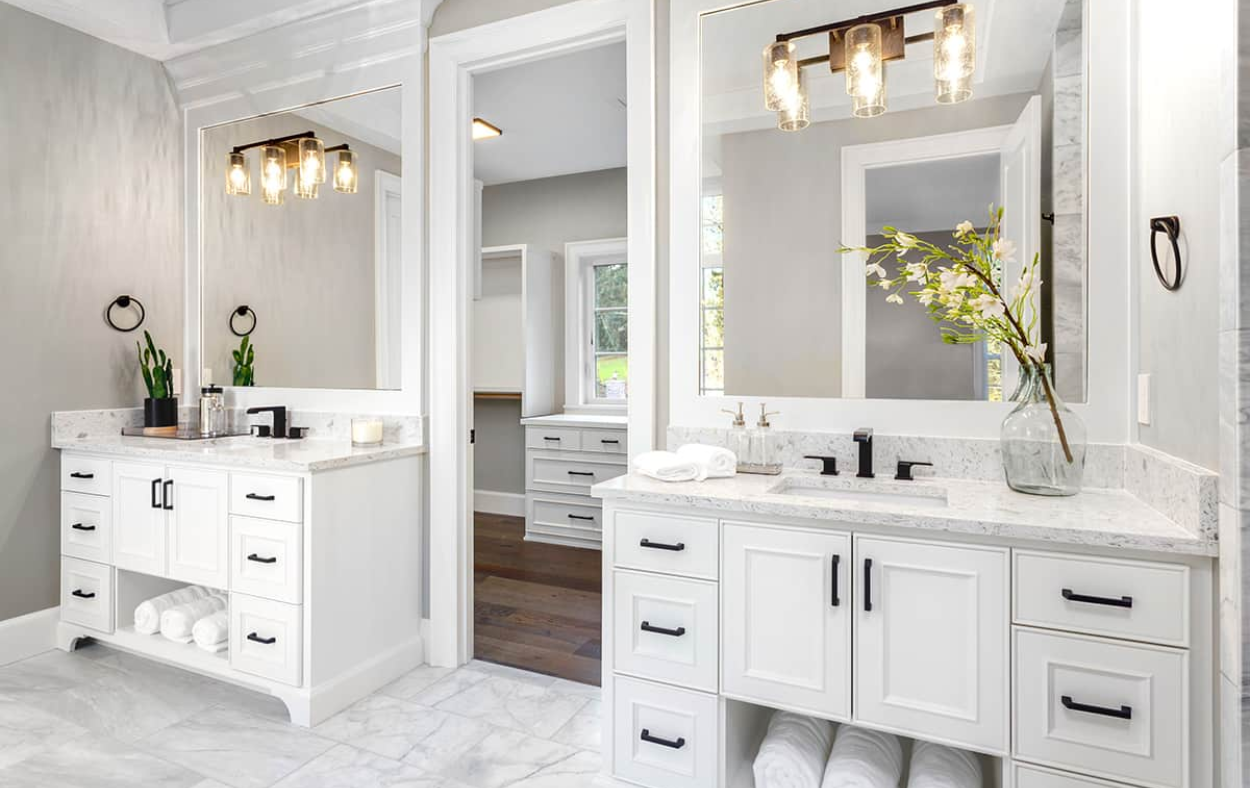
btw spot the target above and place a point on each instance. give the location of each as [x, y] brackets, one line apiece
[212, 632]
[935, 766]
[148, 613]
[794, 752]
[178, 621]
[189, 614]
[692, 462]
[864, 759]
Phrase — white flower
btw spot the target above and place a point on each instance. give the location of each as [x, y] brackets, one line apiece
[1036, 352]
[962, 229]
[875, 268]
[916, 272]
[1028, 280]
[955, 280]
[905, 240]
[1005, 250]
[884, 284]
[988, 306]
[894, 298]
[926, 297]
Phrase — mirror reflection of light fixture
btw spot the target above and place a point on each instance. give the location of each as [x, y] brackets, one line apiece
[272, 174]
[306, 154]
[312, 163]
[346, 176]
[483, 130]
[954, 52]
[238, 176]
[793, 114]
[781, 74]
[865, 70]
[304, 189]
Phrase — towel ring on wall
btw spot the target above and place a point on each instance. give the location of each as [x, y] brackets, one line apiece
[242, 311]
[124, 302]
[1170, 226]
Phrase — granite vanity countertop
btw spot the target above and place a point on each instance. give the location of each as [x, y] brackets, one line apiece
[307, 454]
[590, 421]
[1096, 517]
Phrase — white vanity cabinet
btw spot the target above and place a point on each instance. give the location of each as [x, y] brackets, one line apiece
[565, 455]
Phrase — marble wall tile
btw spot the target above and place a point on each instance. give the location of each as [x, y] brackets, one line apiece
[1185, 493]
[1230, 592]
[1231, 716]
[1069, 179]
[1069, 120]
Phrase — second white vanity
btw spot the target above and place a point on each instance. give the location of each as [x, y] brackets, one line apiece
[1069, 641]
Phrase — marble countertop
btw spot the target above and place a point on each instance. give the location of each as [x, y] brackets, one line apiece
[309, 454]
[1103, 518]
[592, 421]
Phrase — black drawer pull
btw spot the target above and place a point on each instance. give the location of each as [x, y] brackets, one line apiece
[1124, 601]
[835, 600]
[673, 633]
[81, 475]
[167, 495]
[581, 517]
[259, 560]
[81, 527]
[676, 548]
[258, 497]
[78, 592]
[1122, 713]
[255, 638]
[581, 473]
[674, 745]
[867, 585]
[549, 438]
[156, 490]
[612, 442]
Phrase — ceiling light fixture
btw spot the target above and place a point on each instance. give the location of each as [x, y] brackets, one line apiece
[861, 47]
[304, 153]
[484, 131]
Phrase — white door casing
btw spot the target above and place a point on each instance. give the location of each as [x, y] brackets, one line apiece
[1020, 194]
[388, 278]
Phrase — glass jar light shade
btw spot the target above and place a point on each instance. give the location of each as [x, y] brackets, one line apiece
[954, 52]
[793, 115]
[312, 161]
[781, 74]
[272, 174]
[305, 190]
[865, 71]
[346, 176]
[238, 176]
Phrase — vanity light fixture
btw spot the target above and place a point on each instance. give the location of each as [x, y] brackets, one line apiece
[305, 153]
[484, 131]
[238, 176]
[861, 47]
[346, 176]
[272, 174]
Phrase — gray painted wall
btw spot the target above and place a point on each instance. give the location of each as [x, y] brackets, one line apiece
[90, 184]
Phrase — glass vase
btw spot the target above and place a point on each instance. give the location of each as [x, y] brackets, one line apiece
[1043, 441]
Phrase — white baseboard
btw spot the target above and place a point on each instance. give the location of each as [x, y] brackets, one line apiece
[28, 635]
[491, 502]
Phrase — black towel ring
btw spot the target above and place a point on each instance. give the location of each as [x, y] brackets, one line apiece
[125, 302]
[242, 311]
[1170, 226]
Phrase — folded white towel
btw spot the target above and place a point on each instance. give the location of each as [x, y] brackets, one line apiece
[667, 467]
[176, 622]
[936, 766]
[864, 759]
[794, 752]
[714, 461]
[212, 632]
[148, 613]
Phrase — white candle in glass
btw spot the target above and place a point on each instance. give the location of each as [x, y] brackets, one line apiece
[366, 432]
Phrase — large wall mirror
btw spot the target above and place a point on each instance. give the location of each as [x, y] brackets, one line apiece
[301, 246]
[782, 312]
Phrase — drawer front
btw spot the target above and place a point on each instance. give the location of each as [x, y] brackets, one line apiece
[266, 638]
[270, 497]
[266, 559]
[1134, 600]
[87, 527]
[1036, 777]
[549, 472]
[664, 737]
[572, 517]
[1109, 709]
[663, 543]
[609, 441]
[90, 475]
[87, 594]
[666, 628]
[554, 438]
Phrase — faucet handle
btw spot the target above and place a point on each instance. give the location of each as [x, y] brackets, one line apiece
[863, 434]
[904, 469]
[829, 464]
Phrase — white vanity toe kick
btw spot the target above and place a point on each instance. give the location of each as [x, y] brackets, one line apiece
[1095, 518]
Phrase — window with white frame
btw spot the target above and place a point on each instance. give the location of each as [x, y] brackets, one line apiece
[712, 297]
[606, 316]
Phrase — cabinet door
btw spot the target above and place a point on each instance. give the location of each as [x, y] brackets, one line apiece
[196, 504]
[785, 620]
[931, 640]
[138, 517]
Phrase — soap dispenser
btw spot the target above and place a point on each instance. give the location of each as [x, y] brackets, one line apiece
[763, 452]
[739, 441]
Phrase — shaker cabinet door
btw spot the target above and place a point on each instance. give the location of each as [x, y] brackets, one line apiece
[199, 536]
[139, 517]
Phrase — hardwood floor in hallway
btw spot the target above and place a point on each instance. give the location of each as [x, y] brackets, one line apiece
[536, 606]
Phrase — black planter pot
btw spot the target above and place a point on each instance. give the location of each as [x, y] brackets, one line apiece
[160, 412]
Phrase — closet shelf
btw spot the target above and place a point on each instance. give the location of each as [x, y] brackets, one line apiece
[508, 395]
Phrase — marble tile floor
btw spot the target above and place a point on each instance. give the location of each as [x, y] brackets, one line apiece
[101, 718]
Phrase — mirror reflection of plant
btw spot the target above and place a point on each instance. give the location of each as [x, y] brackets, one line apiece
[962, 287]
[244, 373]
[157, 369]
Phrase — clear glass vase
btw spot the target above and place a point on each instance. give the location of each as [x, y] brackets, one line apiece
[1043, 441]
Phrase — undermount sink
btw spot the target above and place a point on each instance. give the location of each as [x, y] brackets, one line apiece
[860, 492]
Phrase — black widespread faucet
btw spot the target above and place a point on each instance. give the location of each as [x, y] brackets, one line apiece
[863, 436]
[279, 419]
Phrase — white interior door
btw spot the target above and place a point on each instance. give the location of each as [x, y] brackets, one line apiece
[139, 517]
[198, 521]
[1020, 184]
[388, 278]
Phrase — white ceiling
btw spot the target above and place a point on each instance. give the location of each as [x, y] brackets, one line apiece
[559, 116]
[375, 118]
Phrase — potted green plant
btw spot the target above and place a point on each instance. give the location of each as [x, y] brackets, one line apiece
[244, 373]
[160, 409]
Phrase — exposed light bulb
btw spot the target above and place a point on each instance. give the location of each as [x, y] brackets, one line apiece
[793, 115]
[238, 178]
[312, 159]
[781, 74]
[954, 52]
[865, 71]
[273, 174]
[346, 176]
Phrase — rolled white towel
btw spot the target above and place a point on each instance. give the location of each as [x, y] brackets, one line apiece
[667, 467]
[148, 613]
[176, 622]
[794, 752]
[212, 632]
[936, 766]
[714, 461]
[864, 759]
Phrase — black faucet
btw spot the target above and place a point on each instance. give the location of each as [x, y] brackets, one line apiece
[829, 465]
[863, 436]
[279, 419]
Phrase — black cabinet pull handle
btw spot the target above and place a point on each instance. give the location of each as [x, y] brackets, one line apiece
[549, 438]
[835, 600]
[676, 548]
[867, 585]
[259, 560]
[78, 592]
[606, 440]
[673, 633]
[156, 490]
[258, 497]
[81, 475]
[81, 527]
[674, 745]
[581, 517]
[1122, 713]
[167, 495]
[255, 638]
[1124, 601]
[581, 473]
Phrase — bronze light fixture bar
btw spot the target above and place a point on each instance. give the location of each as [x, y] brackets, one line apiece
[303, 152]
[893, 38]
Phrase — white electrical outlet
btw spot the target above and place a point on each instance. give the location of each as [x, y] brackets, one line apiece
[1143, 398]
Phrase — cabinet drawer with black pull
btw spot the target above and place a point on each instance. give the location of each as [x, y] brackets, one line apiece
[266, 559]
[268, 496]
[666, 629]
[266, 638]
